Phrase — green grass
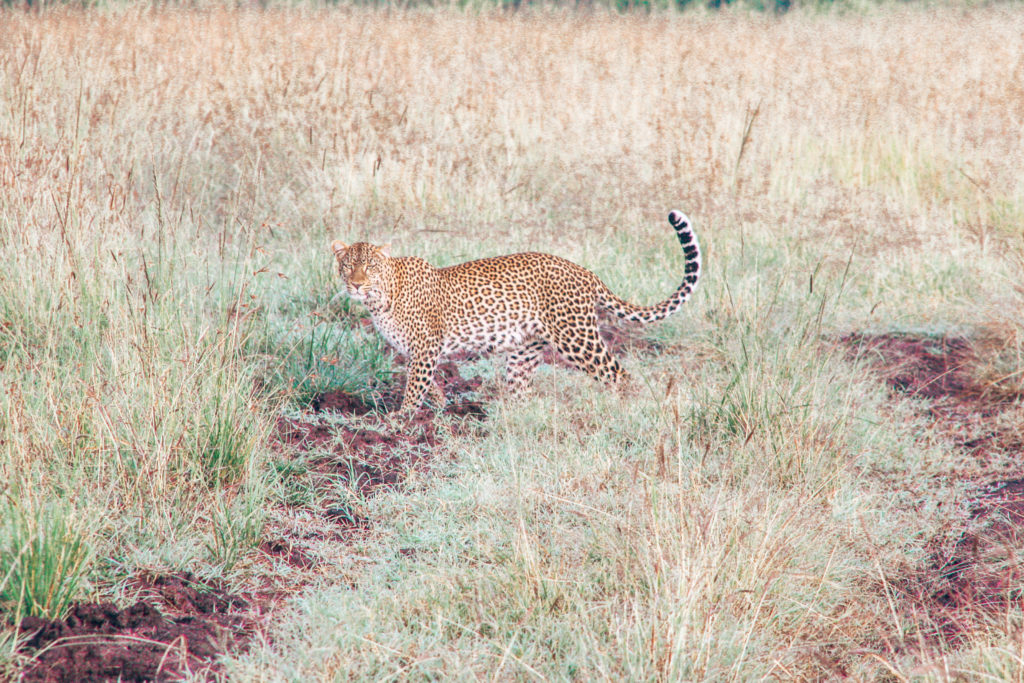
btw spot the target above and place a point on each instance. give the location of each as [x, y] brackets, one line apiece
[328, 357]
[45, 558]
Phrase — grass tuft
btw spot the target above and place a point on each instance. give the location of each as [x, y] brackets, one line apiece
[45, 559]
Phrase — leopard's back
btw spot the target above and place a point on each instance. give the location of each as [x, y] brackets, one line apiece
[496, 304]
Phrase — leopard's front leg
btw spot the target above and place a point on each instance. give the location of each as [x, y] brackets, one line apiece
[420, 379]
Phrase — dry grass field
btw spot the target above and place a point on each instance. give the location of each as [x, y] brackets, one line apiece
[817, 476]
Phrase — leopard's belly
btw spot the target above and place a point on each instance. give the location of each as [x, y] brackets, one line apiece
[478, 336]
[496, 336]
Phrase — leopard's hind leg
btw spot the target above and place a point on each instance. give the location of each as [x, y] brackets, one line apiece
[581, 346]
[521, 364]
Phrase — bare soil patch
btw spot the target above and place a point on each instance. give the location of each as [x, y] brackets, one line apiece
[977, 576]
[373, 453]
[177, 628]
[291, 554]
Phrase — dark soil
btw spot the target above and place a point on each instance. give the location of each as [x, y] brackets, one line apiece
[974, 578]
[377, 450]
[339, 402]
[922, 367]
[178, 627]
[292, 555]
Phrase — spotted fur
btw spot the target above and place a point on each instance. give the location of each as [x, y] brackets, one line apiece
[517, 304]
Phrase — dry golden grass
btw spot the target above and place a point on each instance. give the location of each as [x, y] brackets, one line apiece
[348, 113]
[170, 178]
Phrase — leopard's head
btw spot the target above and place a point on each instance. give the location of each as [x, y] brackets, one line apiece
[365, 268]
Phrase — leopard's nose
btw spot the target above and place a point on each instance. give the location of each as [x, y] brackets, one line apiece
[358, 276]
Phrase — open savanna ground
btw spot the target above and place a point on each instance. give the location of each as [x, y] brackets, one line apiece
[817, 473]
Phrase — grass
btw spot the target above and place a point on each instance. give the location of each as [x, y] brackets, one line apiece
[44, 560]
[172, 178]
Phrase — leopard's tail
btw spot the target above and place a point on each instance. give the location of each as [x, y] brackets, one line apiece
[649, 314]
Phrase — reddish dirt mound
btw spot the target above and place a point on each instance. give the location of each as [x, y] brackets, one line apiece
[455, 388]
[339, 402]
[368, 456]
[292, 555]
[975, 577]
[178, 627]
[920, 366]
[372, 453]
[944, 371]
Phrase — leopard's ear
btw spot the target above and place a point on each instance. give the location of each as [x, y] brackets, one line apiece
[337, 246]
[385, 249]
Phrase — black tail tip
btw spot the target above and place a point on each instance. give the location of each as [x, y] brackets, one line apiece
[678, 219]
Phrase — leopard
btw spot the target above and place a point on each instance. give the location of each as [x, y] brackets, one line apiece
[519, 304]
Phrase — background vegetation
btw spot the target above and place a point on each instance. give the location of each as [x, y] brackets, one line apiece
[169, 181]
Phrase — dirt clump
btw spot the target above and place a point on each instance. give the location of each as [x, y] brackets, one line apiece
[347, 516]
[972, 574]
[945, 371]
[976, 577]
[921, 367]
[288, 552]
[339, 402]
[942, 369]
[178, 627]
[375, 448]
